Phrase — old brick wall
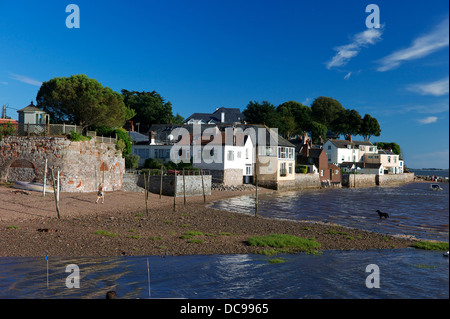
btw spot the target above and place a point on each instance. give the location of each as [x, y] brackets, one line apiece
[82, 165]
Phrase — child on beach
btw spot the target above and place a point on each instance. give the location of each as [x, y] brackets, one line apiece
[100, 194]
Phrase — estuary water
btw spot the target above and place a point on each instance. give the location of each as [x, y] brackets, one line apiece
[414, 209]
[403, 273]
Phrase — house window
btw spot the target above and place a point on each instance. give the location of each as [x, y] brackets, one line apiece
[230, 156]
[267, 151]
[248, 169]
[389, 159]
[329, 147]
[283, 169]
[239, 154]
[246, 153]
[281, 152]
[142, 153]
[321, 172]
[290, 168]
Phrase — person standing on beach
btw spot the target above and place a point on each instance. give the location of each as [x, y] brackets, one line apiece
[100, 194]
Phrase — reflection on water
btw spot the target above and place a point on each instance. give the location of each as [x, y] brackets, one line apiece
[404, 273]
[413, 208]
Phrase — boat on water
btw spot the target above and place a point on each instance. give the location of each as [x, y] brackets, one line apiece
[435, 187]
[29, 186]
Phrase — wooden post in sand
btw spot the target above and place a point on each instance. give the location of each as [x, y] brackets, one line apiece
[175, 191]
[45, 178]
[184, 188]
[145, 195]
[161, 182]
[256, 190]
[54, 191]
[203, 187]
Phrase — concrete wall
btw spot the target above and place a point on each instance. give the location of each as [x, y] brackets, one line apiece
[82, 165]
[366, 180]
[359, 180]
[305, 181]
[192, 183]
[395, 179]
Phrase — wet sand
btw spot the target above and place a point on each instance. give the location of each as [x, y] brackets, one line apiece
[29, 226]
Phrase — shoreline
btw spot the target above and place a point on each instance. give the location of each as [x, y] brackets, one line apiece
[121, 227]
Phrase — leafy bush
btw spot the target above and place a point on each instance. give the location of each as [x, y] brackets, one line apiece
[302, 169]
[75, 137]
[6, 130]
[122, 135]
[132, 161]
[153, 163]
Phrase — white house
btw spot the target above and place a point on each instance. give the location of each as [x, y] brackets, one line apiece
[339, 151]
[390, 161]
[228, 156]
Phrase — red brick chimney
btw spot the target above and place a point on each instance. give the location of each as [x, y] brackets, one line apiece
[349, 138]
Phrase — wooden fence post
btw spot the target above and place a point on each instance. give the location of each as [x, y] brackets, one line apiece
[145, 195]
[175, 191]
[184, 188]
[161, 182]
[203, 186]
[54, 191]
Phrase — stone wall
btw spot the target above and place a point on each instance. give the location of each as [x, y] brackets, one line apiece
[82, 165]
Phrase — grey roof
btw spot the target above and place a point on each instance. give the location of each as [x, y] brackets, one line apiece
[360, 164]
[31, 108]
[138, 137]
[232, 115]
[345, 143]
[271, 138]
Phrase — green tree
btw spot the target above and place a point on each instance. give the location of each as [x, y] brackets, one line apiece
[150, 108]
[317, 130]
[325, 110]
[178, 119]
[369, 127]
[348, 122]
[83, 101]
[300, 113]
[262, 113]
[393, 146]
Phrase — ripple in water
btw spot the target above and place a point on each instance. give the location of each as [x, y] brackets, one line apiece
[413, 208]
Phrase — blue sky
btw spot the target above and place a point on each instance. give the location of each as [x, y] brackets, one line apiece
[205, 54]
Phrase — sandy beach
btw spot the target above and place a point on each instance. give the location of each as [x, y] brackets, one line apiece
[29, 226]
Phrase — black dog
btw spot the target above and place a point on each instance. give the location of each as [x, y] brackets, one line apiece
[381, 214]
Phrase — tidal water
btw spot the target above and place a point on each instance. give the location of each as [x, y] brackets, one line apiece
[413, 208]
[403, 273]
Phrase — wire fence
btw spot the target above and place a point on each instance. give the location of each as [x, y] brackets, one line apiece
[50, 130]
[168, 171]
